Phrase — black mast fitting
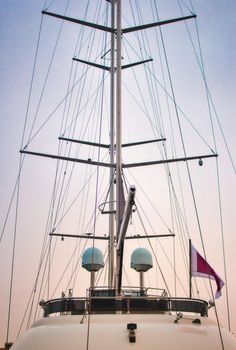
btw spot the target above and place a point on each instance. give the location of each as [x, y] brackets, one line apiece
[87, 236]
[111, 30]
[173, 160]
[108, 68]
[157, 24]
[92, 64]
[78, 21]
[76, 160]
[108, 165]
[108, 146]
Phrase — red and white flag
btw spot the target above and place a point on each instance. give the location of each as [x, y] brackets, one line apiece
[201, 268]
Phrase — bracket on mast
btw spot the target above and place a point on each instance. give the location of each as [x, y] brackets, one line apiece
[102, 145]
[75, 160]
[136, 63]
[105, 238]
[151, 236]
[113, 30]
[78, 21]
[92, 64]
[100, 66]
[108, 165]
[157, 24]
[184, 159]
[86, 236]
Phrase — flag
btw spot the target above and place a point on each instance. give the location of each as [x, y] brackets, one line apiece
[201, 268]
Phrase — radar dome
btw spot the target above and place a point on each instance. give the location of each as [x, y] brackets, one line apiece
[92, 259]
[141, 260]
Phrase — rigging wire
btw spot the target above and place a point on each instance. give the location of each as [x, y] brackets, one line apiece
[168, 95]
[13, 260]
[180, 131]
[167, 167]
[32, 131]
[159, 267]
[97, 179]
[170, 182]
[59, 220]
[17, 190]
[47, 74]
[24, 128]
[153, 230]
[67, 188]
[189, 176]
[210, 102]
[143, 35]
[91, 45]
[209, 97]
[163, 87]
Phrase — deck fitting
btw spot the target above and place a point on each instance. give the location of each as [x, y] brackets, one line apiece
[132, 336]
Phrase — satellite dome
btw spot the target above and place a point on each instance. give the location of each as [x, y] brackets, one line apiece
[141, 260]
[92, 259]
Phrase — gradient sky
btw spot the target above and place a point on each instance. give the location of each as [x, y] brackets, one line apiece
[18, 33]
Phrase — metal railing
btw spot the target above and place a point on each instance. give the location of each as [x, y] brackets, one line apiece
[104, 301]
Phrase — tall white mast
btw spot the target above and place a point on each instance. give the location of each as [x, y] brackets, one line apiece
[119, 189]
[118, 118]
[112, 151]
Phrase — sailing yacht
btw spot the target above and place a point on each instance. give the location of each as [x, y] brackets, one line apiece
[107, 230]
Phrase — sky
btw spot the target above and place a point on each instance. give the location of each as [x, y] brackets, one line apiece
[19, 27]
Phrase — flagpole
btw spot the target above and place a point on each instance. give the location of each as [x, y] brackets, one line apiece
[190, 269]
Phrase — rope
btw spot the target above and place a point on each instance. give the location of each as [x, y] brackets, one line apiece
[13, 261]
[140, 206]
[195, 206]
[97, 180]
[218, 182]
[17, 191]
[210, 102]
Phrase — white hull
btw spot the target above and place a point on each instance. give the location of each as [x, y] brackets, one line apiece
[110, 332]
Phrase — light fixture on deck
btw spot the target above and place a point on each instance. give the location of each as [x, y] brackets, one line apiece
[200, 162]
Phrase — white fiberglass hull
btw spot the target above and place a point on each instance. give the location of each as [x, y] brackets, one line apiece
[110, 332]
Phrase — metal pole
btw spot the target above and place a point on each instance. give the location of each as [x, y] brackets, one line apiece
[92, 280]
[141, 281]
[190, 269]
[112, 150]
[118, 122]
[118, 116]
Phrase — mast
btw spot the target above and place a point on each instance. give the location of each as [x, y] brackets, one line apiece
[112, 151]
[122, 209]
[119, 190]
[118, 118]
